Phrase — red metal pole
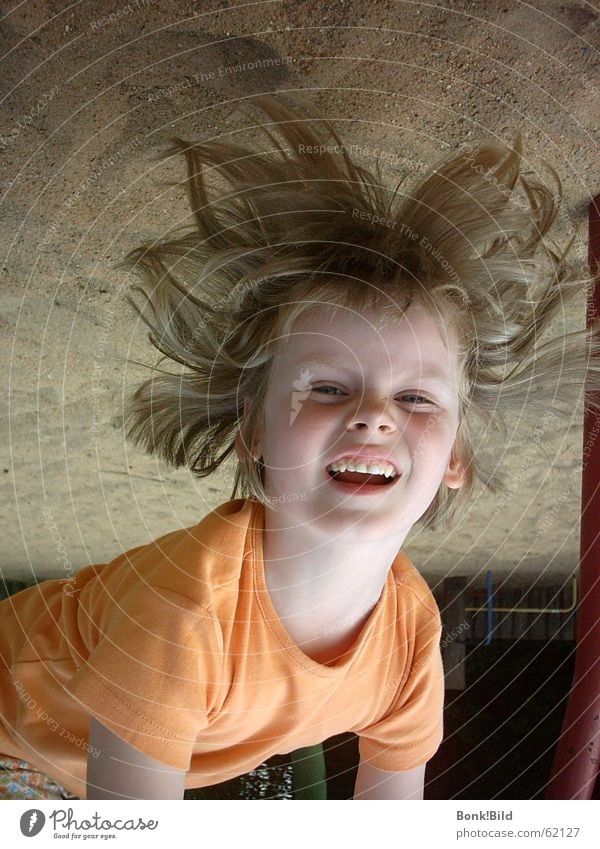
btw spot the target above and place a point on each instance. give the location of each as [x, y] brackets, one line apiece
[577, 757]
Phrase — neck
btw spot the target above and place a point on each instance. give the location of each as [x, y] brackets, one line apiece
[314, 569]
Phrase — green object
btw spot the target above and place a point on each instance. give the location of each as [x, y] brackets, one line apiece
[309, 777]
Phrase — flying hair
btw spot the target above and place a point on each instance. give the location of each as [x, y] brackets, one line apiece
[302, 225]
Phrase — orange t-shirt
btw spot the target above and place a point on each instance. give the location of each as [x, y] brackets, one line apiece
[176, 647]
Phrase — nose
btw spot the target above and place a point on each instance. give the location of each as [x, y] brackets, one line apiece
[373, 413]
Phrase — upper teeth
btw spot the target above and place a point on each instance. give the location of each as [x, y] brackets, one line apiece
[380, 468]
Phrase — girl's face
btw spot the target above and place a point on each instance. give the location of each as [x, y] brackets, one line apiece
[343, 383]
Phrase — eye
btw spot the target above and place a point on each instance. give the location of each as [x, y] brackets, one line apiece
[412, 398]
[325, 387]
[416, 399]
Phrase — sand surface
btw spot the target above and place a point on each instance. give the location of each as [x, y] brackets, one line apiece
[86, 103]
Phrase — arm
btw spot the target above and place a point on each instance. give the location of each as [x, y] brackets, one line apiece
[374, 783]
[115, 770]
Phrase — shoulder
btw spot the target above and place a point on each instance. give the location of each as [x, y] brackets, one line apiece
[196, 563]
[413, 592]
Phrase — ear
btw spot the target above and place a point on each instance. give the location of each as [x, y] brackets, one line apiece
[240, 448]
[455, 472]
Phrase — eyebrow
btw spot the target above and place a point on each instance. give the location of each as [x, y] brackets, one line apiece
[338, 362]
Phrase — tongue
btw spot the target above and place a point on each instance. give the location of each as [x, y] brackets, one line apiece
[360, 477]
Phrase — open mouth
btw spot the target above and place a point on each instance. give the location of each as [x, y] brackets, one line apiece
[361, 477]
[360, 482]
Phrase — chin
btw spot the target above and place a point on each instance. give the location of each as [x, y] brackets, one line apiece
[361, 526]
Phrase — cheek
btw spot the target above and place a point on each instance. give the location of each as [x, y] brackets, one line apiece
[286, 434]
[298, 436]
[430, 438]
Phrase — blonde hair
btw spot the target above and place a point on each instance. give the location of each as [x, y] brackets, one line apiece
[304, 224]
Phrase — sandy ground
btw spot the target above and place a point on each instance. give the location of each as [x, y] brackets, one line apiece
[88, 99]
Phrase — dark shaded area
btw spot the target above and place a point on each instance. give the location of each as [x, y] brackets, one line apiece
[270, 780]
[10, 586]
[501, 731]
[301, 774]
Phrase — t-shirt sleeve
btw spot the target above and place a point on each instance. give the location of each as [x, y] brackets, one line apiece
[151, 675]
[412, 729]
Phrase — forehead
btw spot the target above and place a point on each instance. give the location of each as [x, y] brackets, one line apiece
[415, 340]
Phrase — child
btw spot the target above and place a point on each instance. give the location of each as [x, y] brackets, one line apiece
[346, 344]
